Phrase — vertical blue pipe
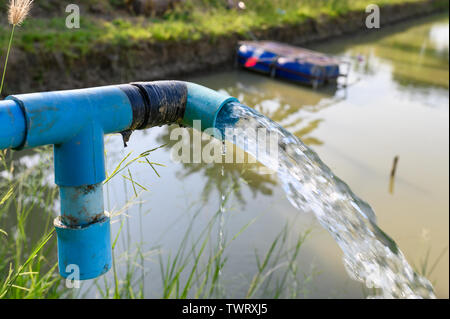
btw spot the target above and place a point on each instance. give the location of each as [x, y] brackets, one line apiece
[81, 160]
[81, 205]
[84, 252]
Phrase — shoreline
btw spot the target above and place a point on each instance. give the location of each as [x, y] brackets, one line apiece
[147, 61]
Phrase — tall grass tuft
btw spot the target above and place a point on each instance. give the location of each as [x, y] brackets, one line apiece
[18, 10]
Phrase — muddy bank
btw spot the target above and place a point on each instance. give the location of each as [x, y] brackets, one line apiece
[147, 61]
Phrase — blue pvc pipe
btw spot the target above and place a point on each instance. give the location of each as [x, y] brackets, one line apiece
[57, 117]
[81, 205]
[80, 160]
[75, 122]
[60, 117]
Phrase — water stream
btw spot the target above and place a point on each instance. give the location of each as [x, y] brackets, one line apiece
[370, 255]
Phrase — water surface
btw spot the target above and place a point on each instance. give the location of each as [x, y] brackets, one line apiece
[396, 105]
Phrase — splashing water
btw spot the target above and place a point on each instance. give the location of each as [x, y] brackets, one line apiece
[370, 256]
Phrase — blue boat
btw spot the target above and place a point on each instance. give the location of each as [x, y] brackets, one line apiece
[288, 62]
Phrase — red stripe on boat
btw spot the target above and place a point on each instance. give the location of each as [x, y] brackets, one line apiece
[251, 62]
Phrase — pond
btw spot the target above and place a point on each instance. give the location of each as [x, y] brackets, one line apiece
[230, 216]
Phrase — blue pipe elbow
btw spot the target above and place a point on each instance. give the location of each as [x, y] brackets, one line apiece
[204, 104]
[12, 125]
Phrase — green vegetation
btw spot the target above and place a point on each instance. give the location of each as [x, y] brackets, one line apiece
[28, 265]
[194, 20]
[415, 62]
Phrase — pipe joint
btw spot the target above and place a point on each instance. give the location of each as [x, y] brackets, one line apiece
[156, 103]
[84, 252]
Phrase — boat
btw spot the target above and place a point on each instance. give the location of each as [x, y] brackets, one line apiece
[280, 60]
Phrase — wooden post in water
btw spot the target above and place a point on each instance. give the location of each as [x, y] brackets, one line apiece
[393, 171]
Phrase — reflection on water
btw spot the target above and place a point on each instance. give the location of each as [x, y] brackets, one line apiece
[219, 177]
[417, 56]
[396, 104]
[281, 101]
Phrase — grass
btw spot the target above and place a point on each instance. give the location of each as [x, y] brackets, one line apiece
[194, 268]
[27, 270]
[194, 21]
[28, 266]
[426, 266]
